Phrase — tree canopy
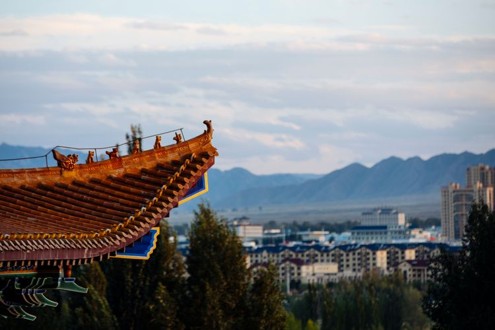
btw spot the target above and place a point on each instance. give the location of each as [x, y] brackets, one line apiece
[218, 291]
[461, 293]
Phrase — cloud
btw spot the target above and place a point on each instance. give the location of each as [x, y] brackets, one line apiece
[488, 5]
[13, 33]
[76, 32]
[113, 60]
[424, 119]
[311, 97]
[272, 141]
[324, 157]
[155, 25]
[212, 31]
[95, 110]
[13, 118]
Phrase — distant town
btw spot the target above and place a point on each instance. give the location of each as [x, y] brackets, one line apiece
[383, 241]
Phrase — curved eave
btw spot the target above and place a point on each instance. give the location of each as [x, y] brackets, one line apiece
[51, 217]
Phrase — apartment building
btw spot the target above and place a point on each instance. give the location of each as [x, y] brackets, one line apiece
[323, 263]
[414, 270]
[456, 200]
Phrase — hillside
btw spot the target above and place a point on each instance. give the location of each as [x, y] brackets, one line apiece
[390, 178]
[33, 156]
[8, 152]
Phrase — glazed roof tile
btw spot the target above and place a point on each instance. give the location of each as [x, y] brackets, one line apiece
[73, 216]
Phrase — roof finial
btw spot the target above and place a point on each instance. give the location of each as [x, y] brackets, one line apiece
[65, 162]
[209, 127]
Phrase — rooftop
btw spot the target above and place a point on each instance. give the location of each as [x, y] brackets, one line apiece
[77, 213]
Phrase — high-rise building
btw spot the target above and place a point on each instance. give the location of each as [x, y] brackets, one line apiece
[457, 201]
[480, 173]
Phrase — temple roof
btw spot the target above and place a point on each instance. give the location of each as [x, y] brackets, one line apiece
[77, 213]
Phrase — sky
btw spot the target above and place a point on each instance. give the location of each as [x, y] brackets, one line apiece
[291, 86]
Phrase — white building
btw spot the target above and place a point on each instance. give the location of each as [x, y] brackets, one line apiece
[248, 232]
[319, 236]
[383, 217]
[378, 234]
[380, 225]
[319, 273]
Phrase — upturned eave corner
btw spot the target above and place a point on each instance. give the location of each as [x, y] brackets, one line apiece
[87, 212]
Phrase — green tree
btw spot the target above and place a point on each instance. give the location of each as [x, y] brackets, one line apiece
[137, 288]
[265, 309]
[311, 325]
[218, 277]
[461, 293]
[413, 316]
[391, 297]
[307, 307]
[374, 302]
[91, 310]
[164, 275]
[163, 310]
[292, 323]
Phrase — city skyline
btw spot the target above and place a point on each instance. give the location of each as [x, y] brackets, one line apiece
[291, 86]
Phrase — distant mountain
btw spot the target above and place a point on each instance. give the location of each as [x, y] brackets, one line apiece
[237, 180]
[15, 152]
[389, 178]
[33, 156]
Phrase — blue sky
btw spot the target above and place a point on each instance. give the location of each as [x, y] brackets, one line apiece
[291, 86]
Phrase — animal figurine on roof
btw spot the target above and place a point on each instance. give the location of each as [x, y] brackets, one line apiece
[90, 158]
[114, 154]
[178, 138]
[158, 142]
[136, 147]
[65, 162]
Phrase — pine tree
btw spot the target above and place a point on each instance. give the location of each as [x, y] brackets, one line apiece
[135, 287]
[163, 310]
[308, 307]
[292, 323]
[461, 293]
[265, 302]
[164, 274]
[92, 310]
[310, 325]
[218, 277]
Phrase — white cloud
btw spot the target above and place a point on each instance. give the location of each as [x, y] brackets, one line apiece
[95, 110]
[155, 25]
[61, 80]
[277, 141]
[95, 32]
[13, 33]
[12, 118]
[427, 119]
[113, 60]
[325, 158]
[311, 97]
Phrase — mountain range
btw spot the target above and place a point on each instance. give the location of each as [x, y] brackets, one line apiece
[390, 178]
